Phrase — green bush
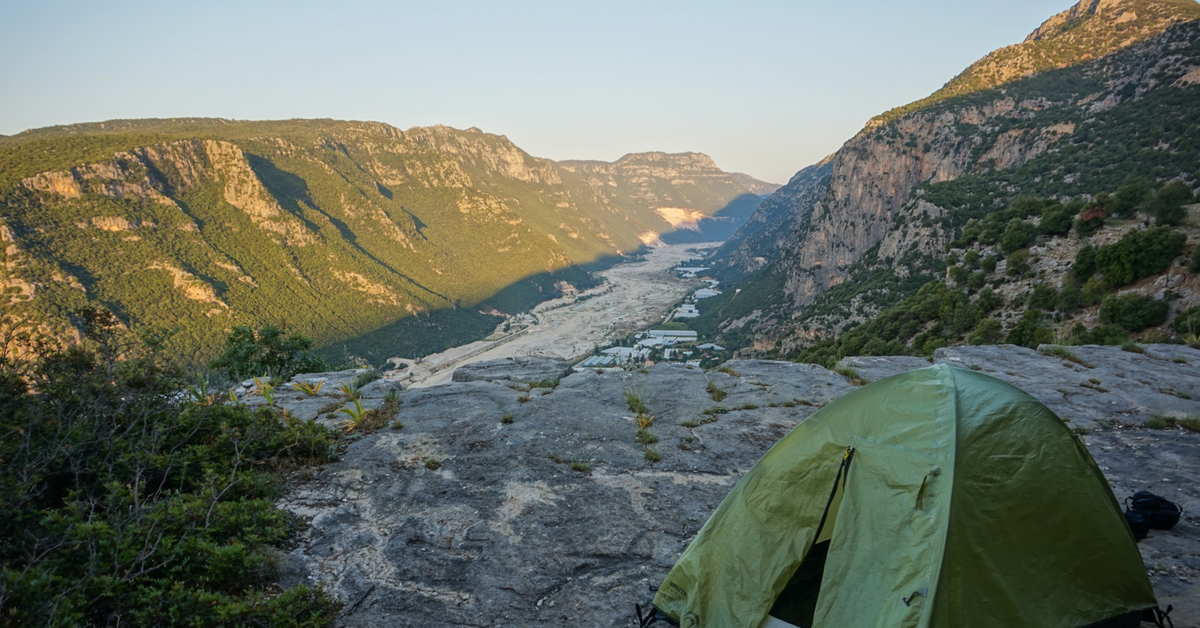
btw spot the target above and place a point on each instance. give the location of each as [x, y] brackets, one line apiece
[1090, 220]
[1017, 235]
[1101, 335]
[1085, 263]
[1018, 264]
[1188, 321]
[1168, 204]
[1070, 298]
[1133, 312]
[976, 280]
[267, 351]
[1029, 331]
[989, 300]
[988, 264]
[1094, 291]
[1056, 221]
[959, 274]
[1140, 253]
[124, 504]
[989, 332]
[1043, 298]
[1130, 196]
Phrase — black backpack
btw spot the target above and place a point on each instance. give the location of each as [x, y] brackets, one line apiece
[1138, 524]
[1158, 513]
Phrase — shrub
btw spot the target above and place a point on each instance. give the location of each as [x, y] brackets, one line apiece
[989, 300]
[1085, 263]
[988, 332]
[1018, 264]
[976, 280]
[1090, 220]
[125, 504]
[959, 274]
[366, 377]
[1133, 312]
[268, 350]
[988, 264]
[1168, 204]
[1043, 298]
[1140, 253]
[1029, 331]
[1070, 298]
[1017, 235]
[1056, 220]
[966, 316]
[1187, 322]
[1130, 196]
[1094, 291]
[1101, 335]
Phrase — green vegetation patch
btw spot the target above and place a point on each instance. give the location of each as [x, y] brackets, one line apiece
[123, 502]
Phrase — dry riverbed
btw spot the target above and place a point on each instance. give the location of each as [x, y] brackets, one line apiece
[633, 296]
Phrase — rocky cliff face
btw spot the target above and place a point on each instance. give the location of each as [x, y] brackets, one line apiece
[765, 232]
[497, 504]
[1089, 30]
[1009, 113]
[207, 223]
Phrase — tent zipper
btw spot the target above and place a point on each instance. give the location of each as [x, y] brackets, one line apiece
[844, 467]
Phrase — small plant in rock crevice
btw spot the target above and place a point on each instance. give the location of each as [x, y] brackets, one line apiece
[356, 415]
[635, 403]
[308, 388]
[580, 467]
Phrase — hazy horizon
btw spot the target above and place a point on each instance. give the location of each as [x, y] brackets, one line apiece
[764, 89]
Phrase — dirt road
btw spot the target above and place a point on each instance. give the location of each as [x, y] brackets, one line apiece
[635, 295]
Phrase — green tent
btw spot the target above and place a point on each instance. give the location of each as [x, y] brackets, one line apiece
[940, 497]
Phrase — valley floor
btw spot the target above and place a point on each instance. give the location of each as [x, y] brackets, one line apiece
[633, 296]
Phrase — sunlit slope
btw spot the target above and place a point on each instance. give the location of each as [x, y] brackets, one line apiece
[337, 229]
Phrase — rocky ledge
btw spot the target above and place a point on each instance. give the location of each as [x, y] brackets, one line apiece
[501, 504]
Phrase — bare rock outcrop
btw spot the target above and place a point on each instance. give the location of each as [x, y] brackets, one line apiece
[518, 369]
[487, 510]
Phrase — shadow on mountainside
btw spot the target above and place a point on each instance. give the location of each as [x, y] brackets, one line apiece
[438, 330]
[290, 190]
[721, 225]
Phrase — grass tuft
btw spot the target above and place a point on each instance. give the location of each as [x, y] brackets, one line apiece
[852, 375]
[636, 404]
[580, 467]
[1066, 354]
[646, 437]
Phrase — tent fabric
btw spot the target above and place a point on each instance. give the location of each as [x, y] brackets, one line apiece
[966, 503]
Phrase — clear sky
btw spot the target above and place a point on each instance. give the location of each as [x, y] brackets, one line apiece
[765, 88]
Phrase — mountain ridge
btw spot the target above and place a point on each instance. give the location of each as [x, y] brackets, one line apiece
[362, 223]
[879, 226]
